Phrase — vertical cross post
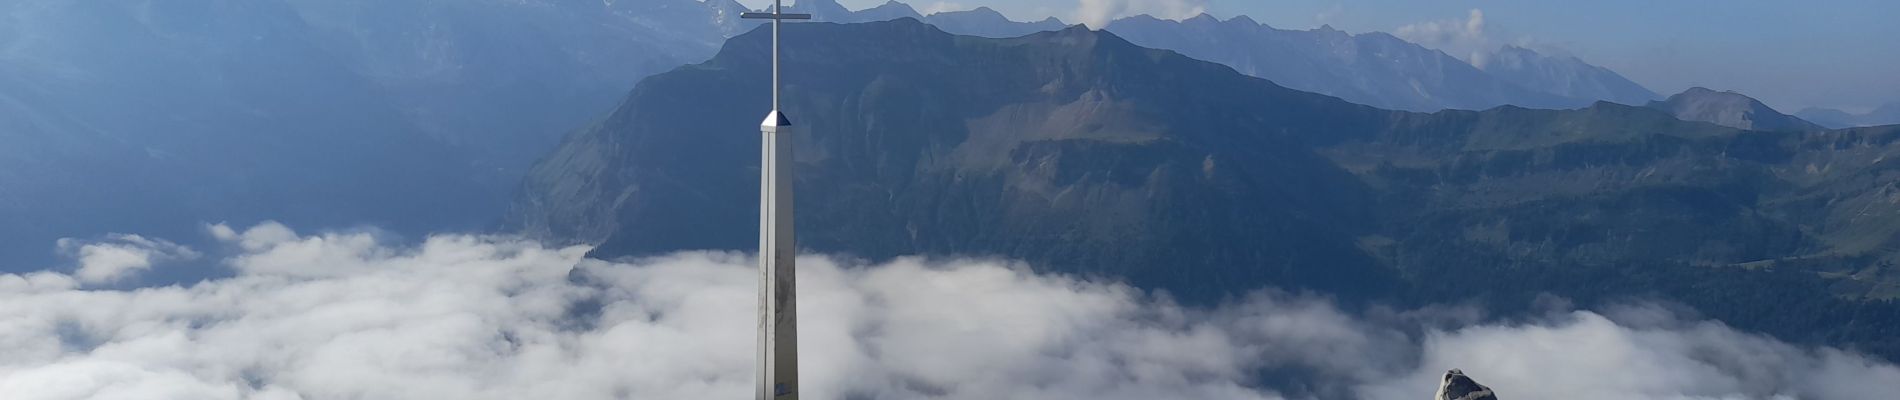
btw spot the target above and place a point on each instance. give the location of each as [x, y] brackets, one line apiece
[778, 311]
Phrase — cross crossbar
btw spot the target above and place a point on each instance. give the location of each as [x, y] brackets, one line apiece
[773, 15]
[777, 15]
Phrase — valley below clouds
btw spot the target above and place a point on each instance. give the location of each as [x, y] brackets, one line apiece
[355, 316]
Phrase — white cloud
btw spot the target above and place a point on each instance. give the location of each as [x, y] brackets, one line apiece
[335, 316]
[1330, 14]
[120, 256]
[1098, 13]
[1465, 39]
[936, 7]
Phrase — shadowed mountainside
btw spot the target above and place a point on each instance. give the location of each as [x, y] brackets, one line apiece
[1082, 153]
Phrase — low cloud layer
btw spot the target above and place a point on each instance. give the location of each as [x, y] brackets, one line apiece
[118, 257]
[342, 316]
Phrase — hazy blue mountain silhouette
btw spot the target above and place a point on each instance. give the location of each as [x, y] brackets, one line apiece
[1565, 76]
[1888, 114]
[153, 117]
[1372, 68]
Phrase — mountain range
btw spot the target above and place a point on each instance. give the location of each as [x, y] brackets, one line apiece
[1564, 76]
[1888, 114]
[149, 116]
[1081, 152]
[1374, 68]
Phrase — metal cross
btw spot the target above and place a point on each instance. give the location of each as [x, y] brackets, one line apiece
[777, 15]
[778, 255]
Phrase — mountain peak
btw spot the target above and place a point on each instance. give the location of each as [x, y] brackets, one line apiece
[1699, 91]
[1457, 386]
[987, 22]
[1731, 109]
[1244, 20]
[1703, 95]
[888, 11]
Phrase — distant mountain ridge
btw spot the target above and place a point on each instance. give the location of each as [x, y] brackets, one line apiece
[1565, 76]
[1888, 114]
[1374, 68]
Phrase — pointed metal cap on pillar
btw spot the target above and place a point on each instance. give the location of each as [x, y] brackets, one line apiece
[776, 122]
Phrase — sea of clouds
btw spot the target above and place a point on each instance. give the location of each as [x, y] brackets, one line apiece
[352, 316]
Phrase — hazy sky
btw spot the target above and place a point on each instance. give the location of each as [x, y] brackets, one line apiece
[1790, 54]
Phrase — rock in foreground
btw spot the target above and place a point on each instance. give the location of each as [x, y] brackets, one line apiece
[1457, 386]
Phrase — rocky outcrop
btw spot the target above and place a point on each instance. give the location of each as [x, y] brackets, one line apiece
[1457, 386]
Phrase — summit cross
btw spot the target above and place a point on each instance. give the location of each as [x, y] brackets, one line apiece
[778, 301]
[777, 15]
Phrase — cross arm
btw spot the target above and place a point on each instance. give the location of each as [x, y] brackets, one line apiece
[760, 15]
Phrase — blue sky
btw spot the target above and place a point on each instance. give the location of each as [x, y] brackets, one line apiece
[1790, 54]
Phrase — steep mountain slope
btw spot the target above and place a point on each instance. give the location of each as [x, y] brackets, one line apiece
[139, 115]
[1082, 153]
[1565, 76]
[1729, 109]
[1373, 68]
[505, 79]
[1073, 150]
